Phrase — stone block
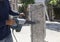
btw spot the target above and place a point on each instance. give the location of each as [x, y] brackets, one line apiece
[37, 15]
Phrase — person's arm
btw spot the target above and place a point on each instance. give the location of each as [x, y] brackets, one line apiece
[2, 23]
[11, 12]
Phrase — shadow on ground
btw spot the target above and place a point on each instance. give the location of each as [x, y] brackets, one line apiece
[53, 26]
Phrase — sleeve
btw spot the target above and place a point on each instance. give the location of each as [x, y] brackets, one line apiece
[2, 23]
[11, 12]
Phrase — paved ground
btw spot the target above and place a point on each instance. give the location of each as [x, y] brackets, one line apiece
[24, 35]
[52, 33]
[52, 36]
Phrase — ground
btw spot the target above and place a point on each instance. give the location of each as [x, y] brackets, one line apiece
[52, 36]
[24, 35]
[52, 33]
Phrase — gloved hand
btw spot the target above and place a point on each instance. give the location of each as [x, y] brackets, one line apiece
[21, 15]
[10, 22]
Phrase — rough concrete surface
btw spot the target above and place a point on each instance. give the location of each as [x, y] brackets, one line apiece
[52, 35]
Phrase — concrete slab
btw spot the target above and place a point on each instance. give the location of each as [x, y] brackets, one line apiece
[24, 35]
[52, 31]
[52, 36]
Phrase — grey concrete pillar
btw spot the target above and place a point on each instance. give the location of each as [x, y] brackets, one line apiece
[36, 13]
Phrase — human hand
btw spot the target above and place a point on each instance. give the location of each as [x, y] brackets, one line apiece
[21, 15]
[10, 22]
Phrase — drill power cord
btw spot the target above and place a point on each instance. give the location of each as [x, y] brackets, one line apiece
[14, 35]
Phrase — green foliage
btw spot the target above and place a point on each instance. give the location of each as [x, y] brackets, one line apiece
[25, 4]
[21, 9]
[55, 3]
[27, 1]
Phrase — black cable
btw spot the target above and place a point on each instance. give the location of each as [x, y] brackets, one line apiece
[14, 35]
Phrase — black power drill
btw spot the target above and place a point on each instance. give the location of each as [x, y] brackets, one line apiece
[19, 24]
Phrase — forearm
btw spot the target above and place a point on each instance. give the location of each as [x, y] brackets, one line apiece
[13, 13]
[10, 10]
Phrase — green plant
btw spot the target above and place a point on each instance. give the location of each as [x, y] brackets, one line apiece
[25, 4]
[21, 9]
[27, 1]
[55, 3]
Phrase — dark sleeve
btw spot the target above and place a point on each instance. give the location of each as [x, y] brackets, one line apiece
[11, 12]
[2, 23]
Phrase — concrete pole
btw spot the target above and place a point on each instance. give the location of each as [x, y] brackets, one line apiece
[36, 13]
[45, 7]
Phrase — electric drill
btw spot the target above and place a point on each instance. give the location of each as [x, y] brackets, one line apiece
[19, 24]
